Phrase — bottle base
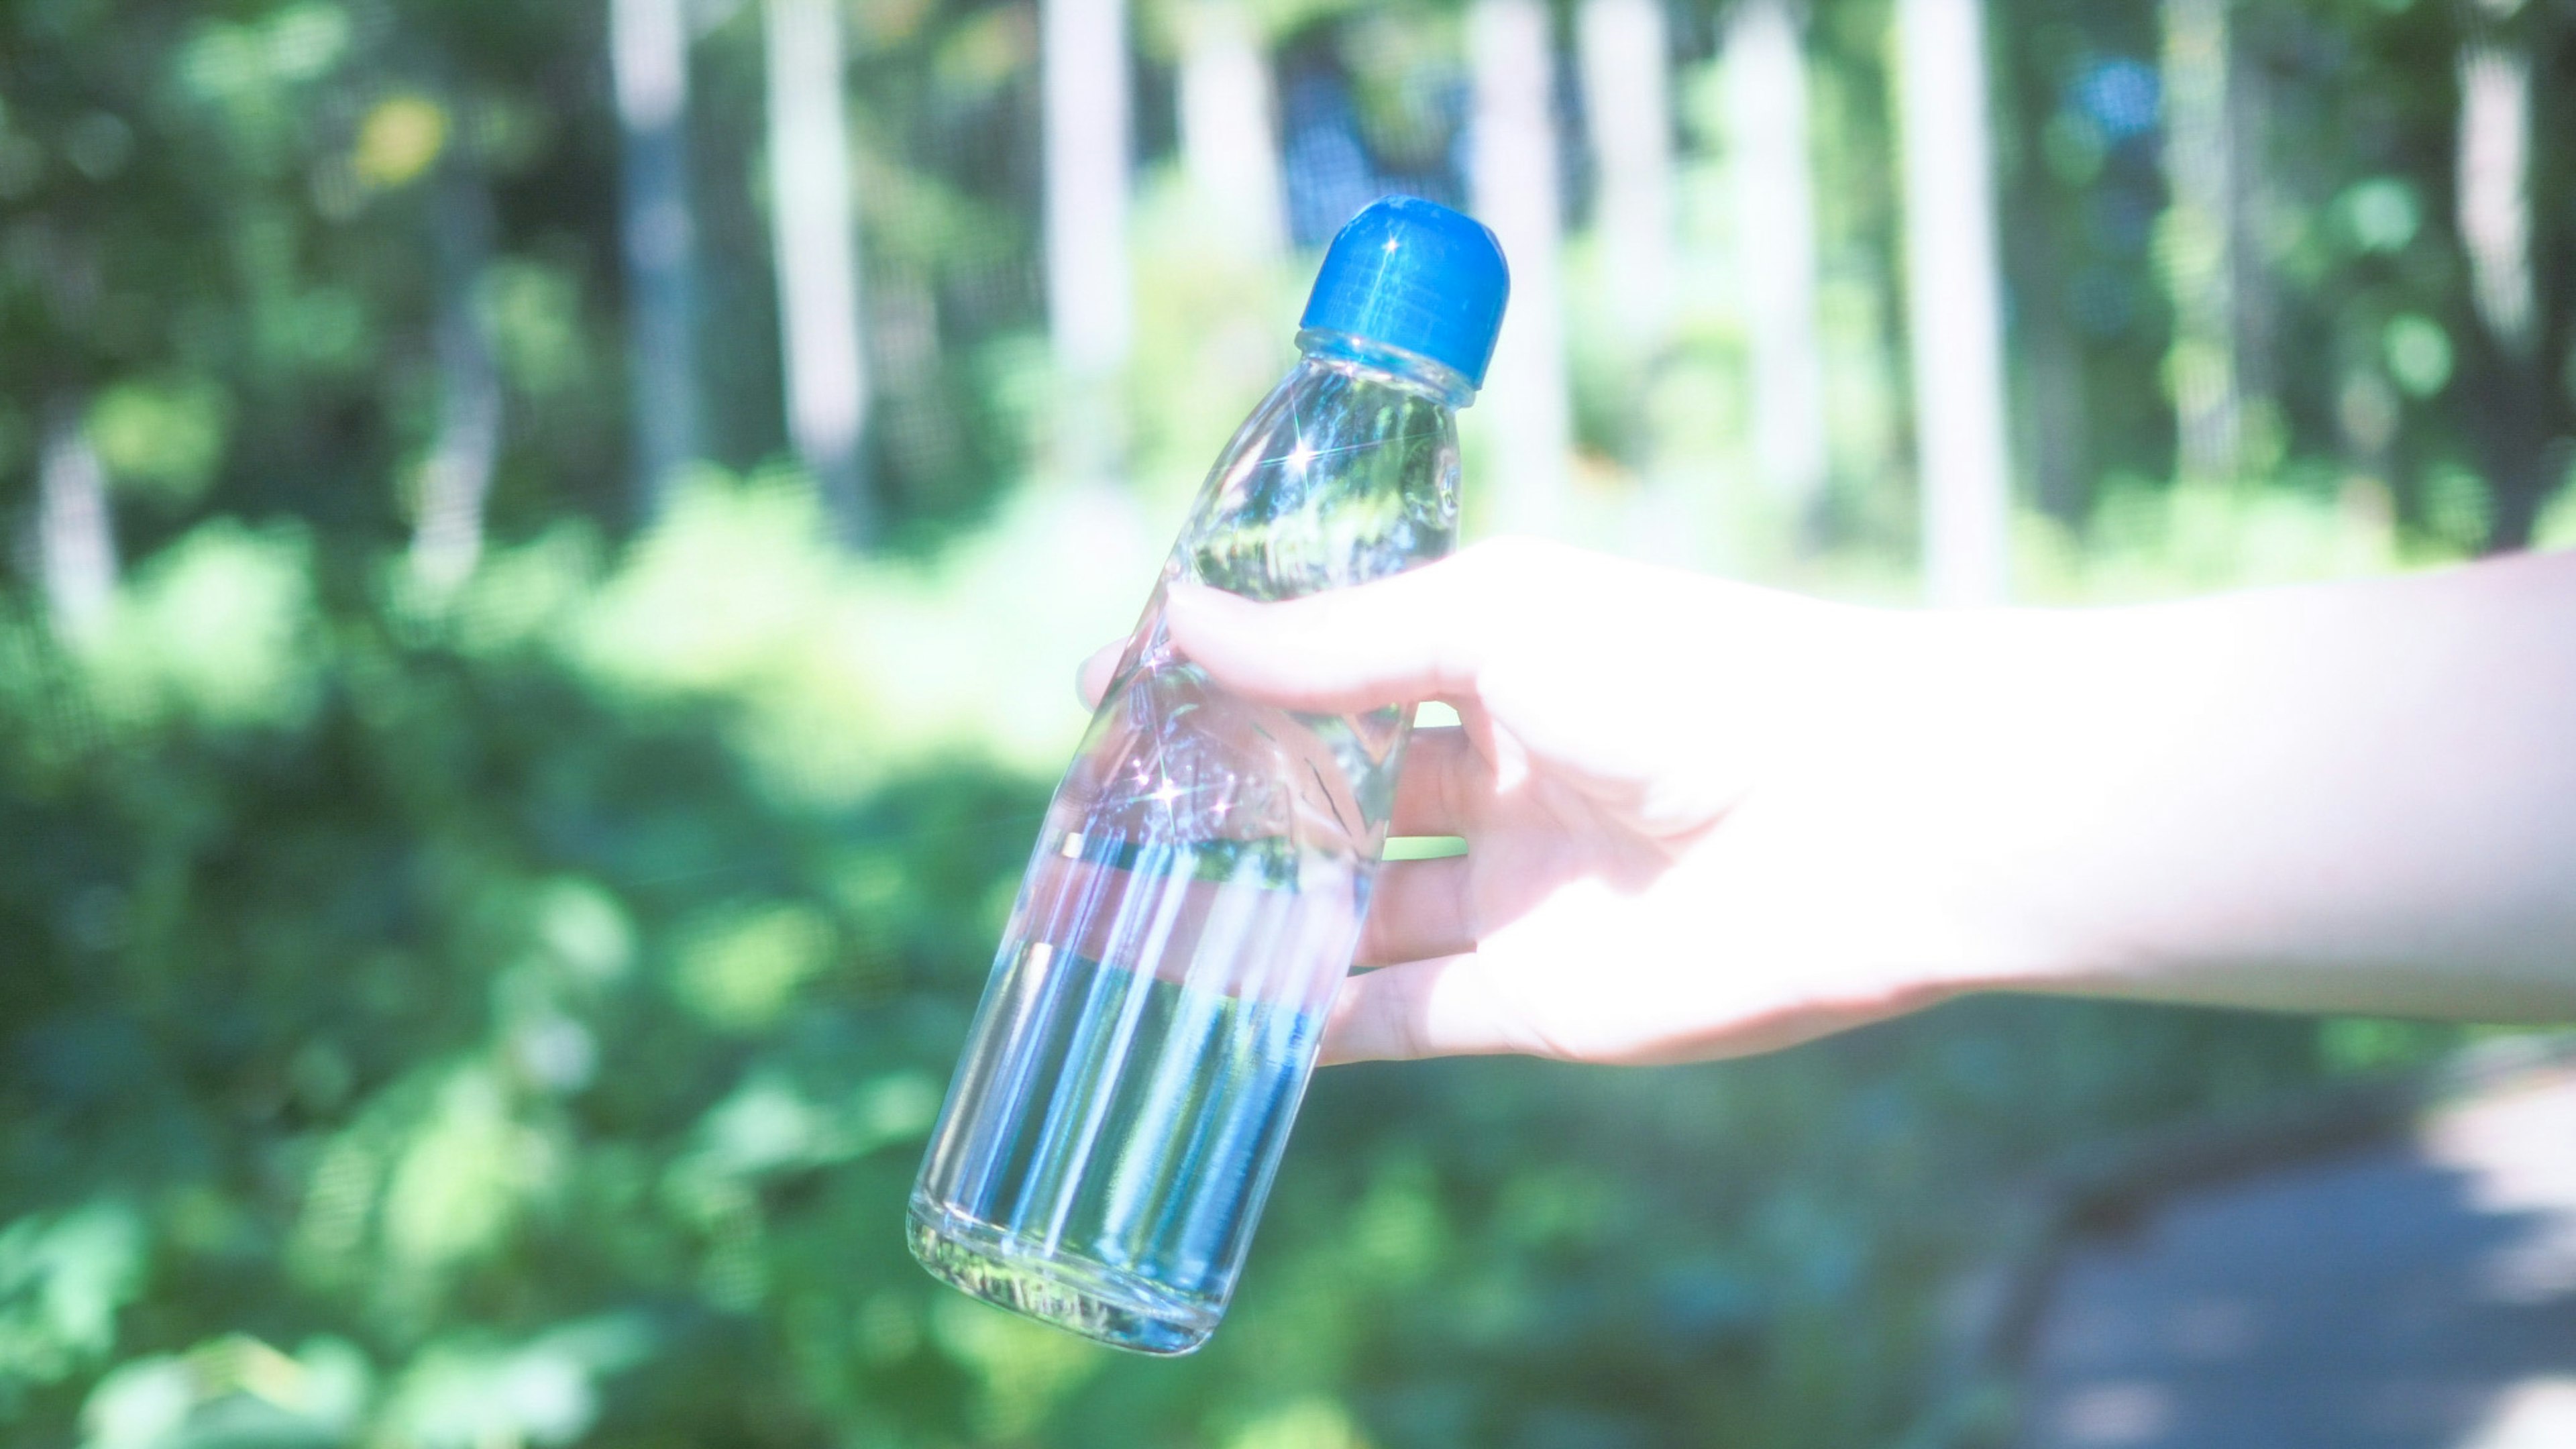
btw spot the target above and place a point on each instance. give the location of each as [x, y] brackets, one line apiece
[1091, 1299]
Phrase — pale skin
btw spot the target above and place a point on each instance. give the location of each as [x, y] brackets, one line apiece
[1705, 819]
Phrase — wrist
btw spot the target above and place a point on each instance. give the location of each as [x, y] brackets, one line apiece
[1967, 792]
[2050, 788]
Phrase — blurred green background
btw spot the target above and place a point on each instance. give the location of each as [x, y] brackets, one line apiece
[530, 657]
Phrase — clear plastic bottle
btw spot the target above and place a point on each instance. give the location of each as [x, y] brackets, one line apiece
[1198, 886]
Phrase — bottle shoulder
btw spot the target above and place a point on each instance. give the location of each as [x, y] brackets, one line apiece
[1339, 476]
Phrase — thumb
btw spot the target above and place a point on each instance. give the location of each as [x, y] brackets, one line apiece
[1091, 682]
[1411, 637]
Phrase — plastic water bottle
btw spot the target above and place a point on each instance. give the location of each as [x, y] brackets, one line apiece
[1198, 886]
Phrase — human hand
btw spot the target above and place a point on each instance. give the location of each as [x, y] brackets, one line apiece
[1693, 809]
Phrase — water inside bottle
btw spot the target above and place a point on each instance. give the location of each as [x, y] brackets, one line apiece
[1196, 892]
[1162, 1003]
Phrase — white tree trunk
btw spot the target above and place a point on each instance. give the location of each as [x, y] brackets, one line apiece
[813, 246]
[1083, 73]
[1512, 171]
[2199, 241]
[649, 45]
[447, 540]
[1625, 59]
[2263, 432]
[75, 532]
[1229, 130]
[2496, 220]
[1953, 303]
[1775, 227]
[2494, 189]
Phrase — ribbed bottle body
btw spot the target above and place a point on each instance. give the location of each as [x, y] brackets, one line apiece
[1194, 898]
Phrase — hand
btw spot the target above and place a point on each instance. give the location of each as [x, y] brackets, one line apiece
[1685, 804]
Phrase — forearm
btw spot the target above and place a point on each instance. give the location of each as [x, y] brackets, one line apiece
[2356, 797]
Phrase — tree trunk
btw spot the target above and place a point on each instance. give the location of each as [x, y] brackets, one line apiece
[1083, 45]
[1512, 172]
[2262, 430]
[1766, 132]
[1953, 306]
[1627, 95]
[75, 532]
[447, 540]
[2495, 219]
[1229, 129]
[814, 250]
[2056, 445]
[650, 53]
[2048, 402]
[2199, 242]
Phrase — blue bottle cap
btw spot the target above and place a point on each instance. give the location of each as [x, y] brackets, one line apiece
[1413, 274]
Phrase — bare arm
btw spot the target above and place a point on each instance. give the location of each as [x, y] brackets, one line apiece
[1706, 819]
[2350, 797]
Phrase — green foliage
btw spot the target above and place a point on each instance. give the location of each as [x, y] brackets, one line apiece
[478, 1022]
[474, 1034]
[163, 438]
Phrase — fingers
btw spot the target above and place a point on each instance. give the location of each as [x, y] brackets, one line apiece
[1436, 1008]
[1407, 638]
[1091, 681]
[1441, 784]
[1436, 793]
[1419, 909]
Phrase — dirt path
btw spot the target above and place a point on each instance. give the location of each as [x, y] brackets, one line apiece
[2420, 1295]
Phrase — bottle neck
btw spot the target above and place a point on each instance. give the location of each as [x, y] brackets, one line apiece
[1392, 366]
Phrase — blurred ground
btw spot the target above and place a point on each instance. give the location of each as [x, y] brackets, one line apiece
[2415, 1295]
